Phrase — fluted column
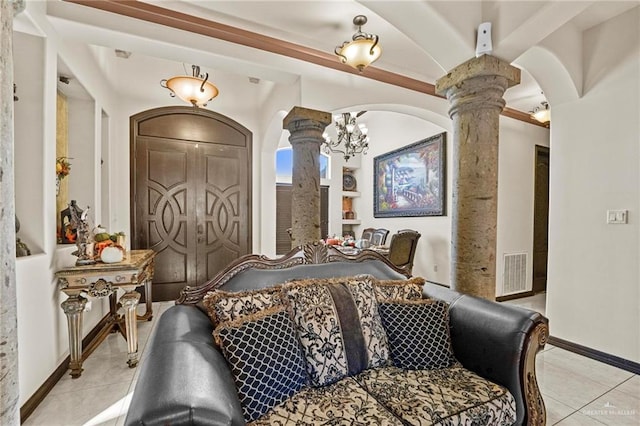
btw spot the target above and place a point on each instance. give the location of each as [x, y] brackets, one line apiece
[474, 90]
[305, 127]
[9, 390]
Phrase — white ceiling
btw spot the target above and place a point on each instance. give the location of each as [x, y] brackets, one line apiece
[420, 39]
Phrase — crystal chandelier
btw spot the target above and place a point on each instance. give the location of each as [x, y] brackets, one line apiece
[195, 90]
[352, 137]
[362, 50]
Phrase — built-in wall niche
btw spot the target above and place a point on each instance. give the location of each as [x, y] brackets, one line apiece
[105, 167]
[77, 152]
[29, 134]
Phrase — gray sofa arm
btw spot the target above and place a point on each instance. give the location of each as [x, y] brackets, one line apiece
[499, 342]
[184, 379]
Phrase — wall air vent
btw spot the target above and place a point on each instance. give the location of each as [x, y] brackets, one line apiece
[514, 276]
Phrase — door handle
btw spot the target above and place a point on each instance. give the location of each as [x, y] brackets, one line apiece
[200, 229]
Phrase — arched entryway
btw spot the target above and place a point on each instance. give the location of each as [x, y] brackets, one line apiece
[190, 194]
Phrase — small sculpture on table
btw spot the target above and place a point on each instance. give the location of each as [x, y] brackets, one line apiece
[83, 236]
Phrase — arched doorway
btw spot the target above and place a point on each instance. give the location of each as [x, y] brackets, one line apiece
[190, 194]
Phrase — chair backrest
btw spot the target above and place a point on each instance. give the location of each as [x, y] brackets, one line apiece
[367, 234]
[402, 249]
[379, 236]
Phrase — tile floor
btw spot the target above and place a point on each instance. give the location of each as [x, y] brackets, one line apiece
[577, 390]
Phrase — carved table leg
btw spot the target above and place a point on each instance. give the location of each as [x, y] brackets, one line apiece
[129, 302]
[73, 307]
[148, 313]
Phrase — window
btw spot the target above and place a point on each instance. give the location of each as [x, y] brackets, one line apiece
[284, 165]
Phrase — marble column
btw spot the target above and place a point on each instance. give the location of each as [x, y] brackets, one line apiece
[305, 127]
[474, 90]
[9, 390]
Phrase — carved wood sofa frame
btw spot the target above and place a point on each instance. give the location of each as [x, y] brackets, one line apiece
[318, 253]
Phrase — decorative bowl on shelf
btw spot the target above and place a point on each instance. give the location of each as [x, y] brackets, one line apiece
[349, 182]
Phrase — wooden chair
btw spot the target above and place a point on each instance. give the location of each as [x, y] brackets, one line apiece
[367, 234]
[379, 236]
[402, 249]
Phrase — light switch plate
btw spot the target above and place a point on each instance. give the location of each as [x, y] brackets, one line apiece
[615, 217]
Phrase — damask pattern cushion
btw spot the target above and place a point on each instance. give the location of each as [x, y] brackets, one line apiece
[342, 403]
[339, 326]
[447, 397]
[265, 359]
[410, 289]
[228, 306]
[418, 333]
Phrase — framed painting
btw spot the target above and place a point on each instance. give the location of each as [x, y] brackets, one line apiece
[411, 181]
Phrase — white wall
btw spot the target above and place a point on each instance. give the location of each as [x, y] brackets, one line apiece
[594, 281]
[389, 131]
[42, 327]
[82, 151]
[29, 129]
[593, 296]
[516, 179]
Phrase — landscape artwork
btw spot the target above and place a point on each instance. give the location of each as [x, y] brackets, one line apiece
[411, 181]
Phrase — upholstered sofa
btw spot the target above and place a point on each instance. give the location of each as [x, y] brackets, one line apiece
[186, 379]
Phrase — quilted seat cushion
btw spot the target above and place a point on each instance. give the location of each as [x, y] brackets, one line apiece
[447, 396]
[342, 403]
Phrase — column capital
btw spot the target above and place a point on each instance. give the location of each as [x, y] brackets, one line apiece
[299, 113]
[478, 84]
[484, 66]
[300, 117]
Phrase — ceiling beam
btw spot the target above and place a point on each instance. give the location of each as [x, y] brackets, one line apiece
[181, 21]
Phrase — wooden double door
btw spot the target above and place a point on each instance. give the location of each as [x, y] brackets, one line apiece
[190, 194]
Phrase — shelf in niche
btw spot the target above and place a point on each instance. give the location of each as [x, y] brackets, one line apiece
[351, 221]
[351, 194]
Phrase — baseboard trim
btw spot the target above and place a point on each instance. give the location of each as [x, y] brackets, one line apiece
[32, 403]
[515, 296]
[615, 361]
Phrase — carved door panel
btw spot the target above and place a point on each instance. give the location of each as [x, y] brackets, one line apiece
[223, 221]
[191, 194]
[165, 212]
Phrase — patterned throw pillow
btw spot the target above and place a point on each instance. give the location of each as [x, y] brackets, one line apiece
[265, 357]
[229, 305]
[418, 333]
[338, 325]
[410, 289]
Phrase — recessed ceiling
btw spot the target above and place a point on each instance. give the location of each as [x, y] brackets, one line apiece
[419, 38]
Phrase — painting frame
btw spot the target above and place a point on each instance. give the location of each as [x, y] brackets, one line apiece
[411, 181]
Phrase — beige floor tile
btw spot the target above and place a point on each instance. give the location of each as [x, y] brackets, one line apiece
[586, 367]
[537, 302]
[98, 371]
[631, 386]
[615, 408]
[80, 407]
[568, 387]
[578, 419]
[556, 410]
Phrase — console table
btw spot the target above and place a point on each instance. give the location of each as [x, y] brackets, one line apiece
[103, 280]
